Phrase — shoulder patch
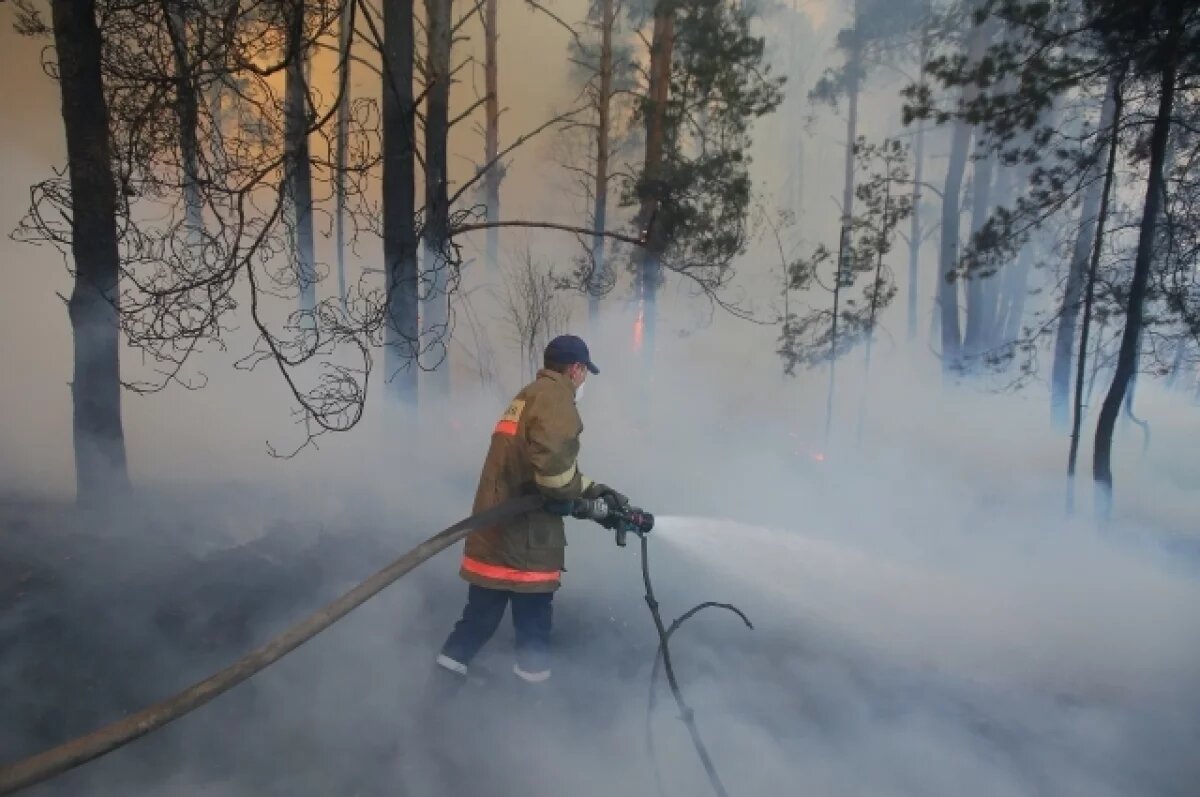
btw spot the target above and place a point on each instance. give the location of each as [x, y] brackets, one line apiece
[513, 413]
[511, 418]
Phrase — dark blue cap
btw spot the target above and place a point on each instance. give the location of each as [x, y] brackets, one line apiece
[568, 350]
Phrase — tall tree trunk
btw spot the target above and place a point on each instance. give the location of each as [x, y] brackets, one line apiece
[1064, 337]
[991, 336]
[216, 112]
[853, 76]
[947, 288]
[399, 203]
[662, 47]
[345, 37]
[187, 114]
[843, 247]
[1160, 237]
[875, 285]
[1016, 292]
[437, 265]
[491, 145]
[600, 191]
[915, 233]
[1127, 356]
[1131, 388]
[974, 339]
[297, 163]
[100, 465]
[1112, 115]
[1094, 372]
[844, 275]
[794, 148]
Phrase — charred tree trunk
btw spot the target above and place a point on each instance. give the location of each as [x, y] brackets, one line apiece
[947, 290]
[399, 203]
[297, 163]
[100, 465]
[1161, 239]
[1064, 337]
[491, 144]
[1127, 356]
[599, 275]
[438, 262]
[1111, 114]
[650, 263]
[345, 37]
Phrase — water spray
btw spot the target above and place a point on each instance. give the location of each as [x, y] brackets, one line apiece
[625, 520]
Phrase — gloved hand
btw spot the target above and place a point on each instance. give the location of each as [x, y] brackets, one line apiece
[610, 496]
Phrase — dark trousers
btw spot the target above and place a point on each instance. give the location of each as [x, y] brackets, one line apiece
[531, 613]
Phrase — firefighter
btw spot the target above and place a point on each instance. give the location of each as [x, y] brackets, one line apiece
[534, 448]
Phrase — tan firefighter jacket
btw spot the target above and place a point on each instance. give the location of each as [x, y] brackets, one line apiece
[534, 449]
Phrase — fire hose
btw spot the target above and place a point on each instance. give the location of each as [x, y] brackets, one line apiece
[56, 760]
[622, 520]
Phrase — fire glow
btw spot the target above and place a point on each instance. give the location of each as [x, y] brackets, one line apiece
[639, 327]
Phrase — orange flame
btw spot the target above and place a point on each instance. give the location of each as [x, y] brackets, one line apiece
[639, 327]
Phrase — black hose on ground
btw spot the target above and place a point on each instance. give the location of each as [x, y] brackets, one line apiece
[55, 761]
[664, 654]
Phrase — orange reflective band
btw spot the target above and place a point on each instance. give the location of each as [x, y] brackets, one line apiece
[502, 573]
[506, 428]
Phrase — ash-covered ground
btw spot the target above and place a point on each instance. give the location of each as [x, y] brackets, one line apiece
[873, 669]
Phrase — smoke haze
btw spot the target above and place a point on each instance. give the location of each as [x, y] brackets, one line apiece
[926, 621]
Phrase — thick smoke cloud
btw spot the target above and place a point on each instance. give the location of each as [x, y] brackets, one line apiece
[927, 622]
[925, 619]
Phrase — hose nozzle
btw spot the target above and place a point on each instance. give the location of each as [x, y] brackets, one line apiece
[622, 520]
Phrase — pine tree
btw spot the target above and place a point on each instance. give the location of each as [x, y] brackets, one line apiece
[707, 84]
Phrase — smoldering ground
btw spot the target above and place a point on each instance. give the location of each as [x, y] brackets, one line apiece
[926, 621]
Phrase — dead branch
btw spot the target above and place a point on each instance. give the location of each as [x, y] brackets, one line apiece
[460, 229]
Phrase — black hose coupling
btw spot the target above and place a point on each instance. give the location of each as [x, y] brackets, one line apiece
[621, 520]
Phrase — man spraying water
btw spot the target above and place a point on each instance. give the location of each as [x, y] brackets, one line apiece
[534, 450]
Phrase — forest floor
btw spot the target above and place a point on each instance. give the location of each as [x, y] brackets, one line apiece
[99, 618]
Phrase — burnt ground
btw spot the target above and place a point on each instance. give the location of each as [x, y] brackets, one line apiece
[99, 618]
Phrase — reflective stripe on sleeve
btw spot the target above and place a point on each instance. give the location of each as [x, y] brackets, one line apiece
[587, 483]
[502, 573]
[508, 428]
[559, 481]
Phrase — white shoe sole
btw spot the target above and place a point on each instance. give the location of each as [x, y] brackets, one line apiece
[531, 677]
[447, 663]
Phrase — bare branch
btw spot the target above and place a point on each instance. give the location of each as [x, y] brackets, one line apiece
[546, 225]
